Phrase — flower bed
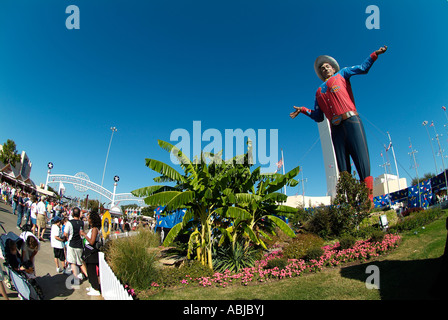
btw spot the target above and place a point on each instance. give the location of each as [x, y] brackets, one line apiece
[333, 256]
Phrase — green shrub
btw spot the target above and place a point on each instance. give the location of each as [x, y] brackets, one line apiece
[195, 269]
[417, 219]
[132, 263]
[147, 238]
[314, 253]
[347, 241]
[170, 277]
[364, 233]
[321, 222]
[374, 217]
[299, 246]
[411, 211]
[377, 236]
[173, 276]
[280, 263]
[234, 258]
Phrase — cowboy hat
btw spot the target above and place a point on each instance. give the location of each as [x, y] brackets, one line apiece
[325, 59]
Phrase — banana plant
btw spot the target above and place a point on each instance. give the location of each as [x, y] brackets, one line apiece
[204, 189]
[262, 204]
[213, 191]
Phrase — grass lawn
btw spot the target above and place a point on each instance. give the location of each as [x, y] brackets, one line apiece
[408, 272]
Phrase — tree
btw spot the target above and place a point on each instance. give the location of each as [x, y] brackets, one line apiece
[349, 207]
[426, 176]
[351, 204]
[8, 154]
[201, 190]
[263, 204]
[215, 194]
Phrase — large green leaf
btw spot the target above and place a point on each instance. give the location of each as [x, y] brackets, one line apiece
[164, 169]
[187, 217]
[251, 234]
[180, 201]
[292, 173]
[280, 180]
[276, 196]
[148, 191]
[285, 209]
[236, 213]
[172, 234]
[282, 225]
[171, 199]
[247, 197]
[183, 159]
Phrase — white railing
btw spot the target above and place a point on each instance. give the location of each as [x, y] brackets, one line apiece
[122, 235]
[111, 288]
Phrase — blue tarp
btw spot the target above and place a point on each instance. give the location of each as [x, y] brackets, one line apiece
[411, 194]
[168, 221]
[176, 217]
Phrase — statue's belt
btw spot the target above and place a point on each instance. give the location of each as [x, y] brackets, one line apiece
[336, 120]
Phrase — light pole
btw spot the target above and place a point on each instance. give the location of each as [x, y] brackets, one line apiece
[107, 155]
[433, 155]
[395, 160]
[412, 153]
[114, 129]
[50, 166]
[116, 179]
[441, 154]
[385, 164]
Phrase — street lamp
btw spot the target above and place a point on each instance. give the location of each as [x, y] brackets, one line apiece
[114, 129]
[433, 155]
[441, 154]
[107, 155]
[116, 179]
[49, 166]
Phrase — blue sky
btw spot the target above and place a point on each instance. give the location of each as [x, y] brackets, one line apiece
[150, 67]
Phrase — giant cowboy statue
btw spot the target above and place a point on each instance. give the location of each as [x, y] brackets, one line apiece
[334, 99]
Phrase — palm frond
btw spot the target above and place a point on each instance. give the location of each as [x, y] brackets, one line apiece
[148, 191]
[282, 225]
[164, 169]
[172, 234]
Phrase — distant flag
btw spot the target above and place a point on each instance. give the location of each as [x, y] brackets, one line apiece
[390, 145]
[279, 165]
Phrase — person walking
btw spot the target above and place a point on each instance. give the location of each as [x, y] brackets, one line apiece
[28, 203]
[33, 214]
[75, 246]
[334, 99]
[14, 199]
[92, 237]
[57, 243]
[20, 208]
[41, 219]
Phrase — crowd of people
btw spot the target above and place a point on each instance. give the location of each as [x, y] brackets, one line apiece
[75, 236]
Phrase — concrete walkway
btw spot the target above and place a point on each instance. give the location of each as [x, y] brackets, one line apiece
[55, 286]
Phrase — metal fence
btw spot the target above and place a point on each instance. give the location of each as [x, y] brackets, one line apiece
[111, 288]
